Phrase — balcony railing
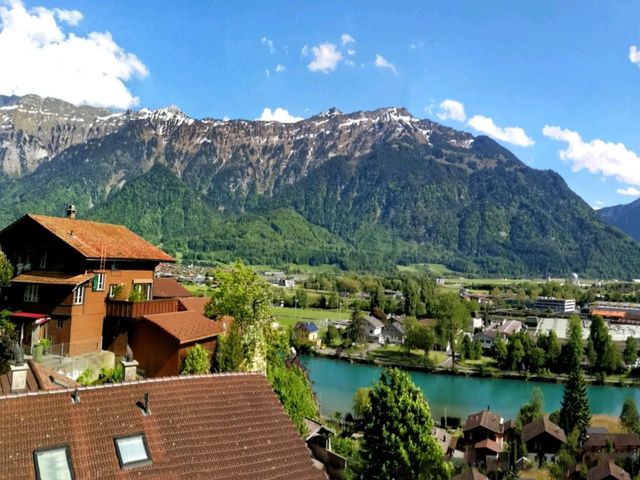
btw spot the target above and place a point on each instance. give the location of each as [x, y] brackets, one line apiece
[133, 310]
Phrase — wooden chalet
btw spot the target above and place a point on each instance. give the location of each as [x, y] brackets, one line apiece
[543, 439]
[484, 436]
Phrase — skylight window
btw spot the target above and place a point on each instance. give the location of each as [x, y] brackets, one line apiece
[132, 451]
[53, 464]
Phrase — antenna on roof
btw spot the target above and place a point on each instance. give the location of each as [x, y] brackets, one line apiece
[75, 397]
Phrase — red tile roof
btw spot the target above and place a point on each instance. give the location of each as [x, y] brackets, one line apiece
[489, 445]
[89, 238]
[169, 288]
[206, 427]
[196, 304]
[186, 326]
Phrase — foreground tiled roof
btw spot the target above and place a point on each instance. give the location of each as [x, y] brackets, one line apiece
[89, 238]
[607, 470]
[470, 474]
[210, 426]
[186, 326]
[485, 419]
[38, 378]
[52, 278]
[169, 288]
[541, 425]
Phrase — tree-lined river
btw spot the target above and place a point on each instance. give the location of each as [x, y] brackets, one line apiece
[335, 381]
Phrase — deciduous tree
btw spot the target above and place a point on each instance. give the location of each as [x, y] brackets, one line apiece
[397, 432]
[629, 417]
[630, 354]
[6, 269]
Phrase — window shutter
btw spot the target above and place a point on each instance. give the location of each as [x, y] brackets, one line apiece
[95, 282]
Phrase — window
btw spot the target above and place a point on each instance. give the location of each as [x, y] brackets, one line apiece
[78, 295]
[143, 290]
[98, 282]
[59, 323]
[53, 463]
[31, 293]
[112, 290]
[43, 260]
[132, 451]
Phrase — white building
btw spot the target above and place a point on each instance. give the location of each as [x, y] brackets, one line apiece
[558, 305]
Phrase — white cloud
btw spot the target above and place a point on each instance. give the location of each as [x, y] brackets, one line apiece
[452, 110]
[72, 17]
[597, 156]
[630, 191]
[382, 62]
[267, 42]
[349, 63]
[346, 39]
[305, 51]
[351, 52]
[634, 55]
[325, 57]
[280, 68]
[597, 205]
[514, 135]
[416, 45]
[278, 115]
[38, 56]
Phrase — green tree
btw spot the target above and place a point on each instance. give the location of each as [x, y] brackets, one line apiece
[6, 269]
[500, 352]
[630, 354]
[302, 298]
[466, 349]
[397, 432]
[197, 361]
[229, 354]
[242, 294]
[601, 340]
[356, 329]
[378, 299]
[629, 417]
[349, 449]
[516, 353]
[574, 410]
[453, 318]
[419, 337]
[477, 350]
[7, 335]
[294, 391]
[332, 336]
[361, 402]
[411, 297]
[532, 410]
[573, 351]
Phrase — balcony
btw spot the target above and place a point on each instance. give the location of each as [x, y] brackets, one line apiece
[134, 310]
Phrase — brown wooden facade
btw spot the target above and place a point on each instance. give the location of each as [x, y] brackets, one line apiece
[54, 276]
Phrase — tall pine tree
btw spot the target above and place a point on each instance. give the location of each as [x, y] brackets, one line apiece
[575, 412]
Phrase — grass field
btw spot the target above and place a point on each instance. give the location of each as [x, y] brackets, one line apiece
[289, 316]
[397, 354]
[199, 290]
[610, 422]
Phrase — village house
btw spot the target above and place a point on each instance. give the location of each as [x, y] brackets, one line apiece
[607, 471]
[205, 426]
[393, 334]
[504, 328]
[372, 329]
[483, 436]
[610, 446]
[543, 439]
[68, 272]
[306, 332]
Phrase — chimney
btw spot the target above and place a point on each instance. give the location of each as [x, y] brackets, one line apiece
[129, 370]
[18, 377]
[71, 211]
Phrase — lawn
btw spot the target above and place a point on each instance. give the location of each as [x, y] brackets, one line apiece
[398, 355]
[199, 290]
[611, 423]
[289, 316]
[486, 361]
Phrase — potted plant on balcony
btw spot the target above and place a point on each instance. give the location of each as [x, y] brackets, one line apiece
[119, 293]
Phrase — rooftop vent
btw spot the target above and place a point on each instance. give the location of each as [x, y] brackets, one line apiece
[71, 211]
[144, 405]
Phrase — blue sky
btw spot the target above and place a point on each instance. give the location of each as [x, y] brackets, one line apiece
[540, 77]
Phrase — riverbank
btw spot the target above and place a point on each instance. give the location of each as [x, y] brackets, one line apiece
[479, 371]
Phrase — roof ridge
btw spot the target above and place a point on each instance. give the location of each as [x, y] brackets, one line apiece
[143, 381]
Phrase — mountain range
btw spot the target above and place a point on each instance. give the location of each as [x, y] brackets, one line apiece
[364, 190]
[625, 217]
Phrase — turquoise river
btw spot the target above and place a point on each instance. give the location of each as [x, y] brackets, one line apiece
[335, 381]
